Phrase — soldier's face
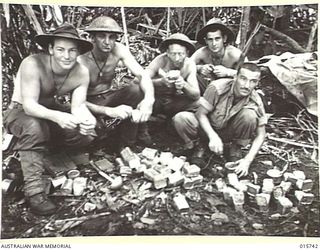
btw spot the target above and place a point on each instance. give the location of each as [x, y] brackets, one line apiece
[245, 81]
[215, 41]
[105, 41]
[64, 52]
[177, 54]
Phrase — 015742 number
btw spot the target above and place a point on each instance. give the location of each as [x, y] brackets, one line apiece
[309, 246]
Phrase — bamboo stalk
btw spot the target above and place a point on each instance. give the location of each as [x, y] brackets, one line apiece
[189, 24]
[33, 19]
[72, 16]
[204, 16]
[124, 24]
[312, 36]
[6, 9]
[159, 25]
[244, 26]
[168, 22]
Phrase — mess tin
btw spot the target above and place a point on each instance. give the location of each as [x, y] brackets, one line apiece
[276, 175]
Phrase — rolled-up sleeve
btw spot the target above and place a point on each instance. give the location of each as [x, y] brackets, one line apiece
[209, 98]
[262, 117]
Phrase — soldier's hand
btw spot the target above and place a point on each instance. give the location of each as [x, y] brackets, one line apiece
[242, 167]
[66, 120]
[179, 83]
[168, 82]
[122, 111]
[145, 108]
[87, 126]
[206, 70]
[221, 71]
[216, 145]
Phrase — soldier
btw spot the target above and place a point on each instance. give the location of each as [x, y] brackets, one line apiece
[231, 112]
[217, 59]
[36, 116]
[102, 99]
[173, 74]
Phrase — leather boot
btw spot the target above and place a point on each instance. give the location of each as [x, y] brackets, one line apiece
[198, 156]
[41, 205]
[234, 152]
[143, 135]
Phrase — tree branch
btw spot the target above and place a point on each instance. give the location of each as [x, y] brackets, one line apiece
[291, 42]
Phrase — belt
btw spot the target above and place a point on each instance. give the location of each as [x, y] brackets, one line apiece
[15, 105]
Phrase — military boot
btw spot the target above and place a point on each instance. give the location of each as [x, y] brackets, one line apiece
[32, 165]
[234, 152]
[143, 136]
[198, 156]
[41, 205]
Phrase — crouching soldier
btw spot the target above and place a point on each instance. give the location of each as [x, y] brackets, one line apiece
[174, 78]
[37, 117]
[104, 100]
[231, 113]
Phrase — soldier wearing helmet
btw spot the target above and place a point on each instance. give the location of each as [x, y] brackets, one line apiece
[105, 101]
[217, 59]
[173, 74]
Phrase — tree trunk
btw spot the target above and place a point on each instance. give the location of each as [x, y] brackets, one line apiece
[33, 19]
[311, 36]
[244, 26]
[124, 24]
[204, 16]
[292, 43]
[168, 21]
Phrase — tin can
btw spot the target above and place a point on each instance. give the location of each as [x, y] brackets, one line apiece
[73, 173]
[7, 185]
[67, 186]
[79, 184]
[276, 175]
[278, 192]
[220, 183]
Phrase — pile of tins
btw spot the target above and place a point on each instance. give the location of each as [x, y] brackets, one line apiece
[161, 168]
[276, 188]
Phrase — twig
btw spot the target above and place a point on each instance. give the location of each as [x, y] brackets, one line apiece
[298, 144]
[79, 207]
[305, 230]
[83, 218]
[275, 154]
[288, 219]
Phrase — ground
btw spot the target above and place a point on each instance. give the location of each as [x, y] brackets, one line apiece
[139, 209]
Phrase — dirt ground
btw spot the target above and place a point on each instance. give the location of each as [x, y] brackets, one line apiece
[148, 211]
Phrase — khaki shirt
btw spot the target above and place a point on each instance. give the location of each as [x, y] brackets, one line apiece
[218, 100]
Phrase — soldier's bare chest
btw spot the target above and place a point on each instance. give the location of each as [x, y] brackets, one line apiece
[101, 69]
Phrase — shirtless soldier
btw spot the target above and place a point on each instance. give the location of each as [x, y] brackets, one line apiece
[34, 115]
[102, 99]
[217, 59]
[174, 77]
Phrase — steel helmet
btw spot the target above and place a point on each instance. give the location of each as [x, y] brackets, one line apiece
[105, 24]
[177, 38]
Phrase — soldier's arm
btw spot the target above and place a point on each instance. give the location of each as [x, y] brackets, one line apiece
[146, 105]
[30, 73]
[191, 86]
[78, 104]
